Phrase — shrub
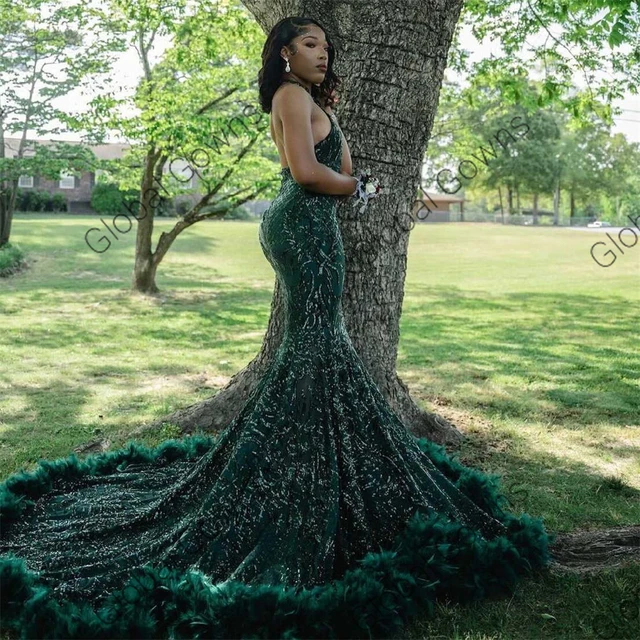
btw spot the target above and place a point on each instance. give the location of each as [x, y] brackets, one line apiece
[182, 206]
[239, 213]
[58, 202]
[165, 207]
[630, 207]
[106, 198]
[11, 259]
[39, 200]
[31, 200]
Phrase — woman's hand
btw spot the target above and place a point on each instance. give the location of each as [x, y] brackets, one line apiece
[368, 187]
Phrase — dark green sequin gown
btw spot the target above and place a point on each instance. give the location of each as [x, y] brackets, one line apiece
[315, 513]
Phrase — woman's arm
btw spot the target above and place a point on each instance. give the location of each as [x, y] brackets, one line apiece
[346, 168]
[294, 108]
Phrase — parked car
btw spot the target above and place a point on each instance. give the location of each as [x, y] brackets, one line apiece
[596, 224]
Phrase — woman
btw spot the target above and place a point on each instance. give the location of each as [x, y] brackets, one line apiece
[298, 125]
[315, 513]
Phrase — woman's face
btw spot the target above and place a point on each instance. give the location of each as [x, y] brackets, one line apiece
[311, 51]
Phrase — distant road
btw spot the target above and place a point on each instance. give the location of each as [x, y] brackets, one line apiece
[604, 229]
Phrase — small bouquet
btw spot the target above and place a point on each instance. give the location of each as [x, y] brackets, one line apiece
[367, 188]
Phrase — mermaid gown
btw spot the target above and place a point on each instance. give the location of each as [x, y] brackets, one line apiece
[314, 513]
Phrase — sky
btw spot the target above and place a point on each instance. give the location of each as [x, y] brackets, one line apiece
[127, 71]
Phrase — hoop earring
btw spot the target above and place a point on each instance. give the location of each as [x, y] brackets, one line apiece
[287, 68]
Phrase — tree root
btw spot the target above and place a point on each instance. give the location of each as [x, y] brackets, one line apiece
[590, 551]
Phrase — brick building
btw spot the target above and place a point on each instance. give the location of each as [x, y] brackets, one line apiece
[75, 189]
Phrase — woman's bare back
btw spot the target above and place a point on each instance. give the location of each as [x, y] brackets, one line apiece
[320, 127]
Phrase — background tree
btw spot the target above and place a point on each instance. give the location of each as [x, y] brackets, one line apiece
[46, 51]
[558, 153]
[592, 43]
[192, 115]
[587, 162]
[528, 165]
[497, 146]
[623, 197]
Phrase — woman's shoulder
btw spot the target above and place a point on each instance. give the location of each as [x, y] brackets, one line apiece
[288, 94]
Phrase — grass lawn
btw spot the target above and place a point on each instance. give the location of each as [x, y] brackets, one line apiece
[515, 333]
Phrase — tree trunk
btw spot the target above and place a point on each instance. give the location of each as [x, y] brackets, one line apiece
[535, 208]
[556, 204]
[510, 200]
[146, 265]
[387, 108]
[144, 276]
[501, 204]
[8, 198]
[572, 205]
[8, 190]
[6, 215]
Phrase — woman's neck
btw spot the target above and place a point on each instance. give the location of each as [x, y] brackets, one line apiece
[291, 78]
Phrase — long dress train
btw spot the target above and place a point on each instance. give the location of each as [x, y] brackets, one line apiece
[314, 514]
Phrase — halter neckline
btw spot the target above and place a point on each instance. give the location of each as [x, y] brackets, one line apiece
[296, 82]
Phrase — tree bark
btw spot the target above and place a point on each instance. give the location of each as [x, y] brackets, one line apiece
[572, 205]
[590, 551]
[145, 265]
[8, 192]
[389, 96]
[556, 204]
[6, 215]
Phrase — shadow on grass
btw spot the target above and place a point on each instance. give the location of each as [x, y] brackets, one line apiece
[546, 357]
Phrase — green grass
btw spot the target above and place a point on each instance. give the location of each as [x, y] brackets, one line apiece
[515, 333]
[603, 605]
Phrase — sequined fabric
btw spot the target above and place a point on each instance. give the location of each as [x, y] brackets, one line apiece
[314, 472]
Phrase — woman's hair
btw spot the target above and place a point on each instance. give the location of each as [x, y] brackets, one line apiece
[270, 75]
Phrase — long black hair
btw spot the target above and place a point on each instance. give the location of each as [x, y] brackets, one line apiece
[270, 75]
